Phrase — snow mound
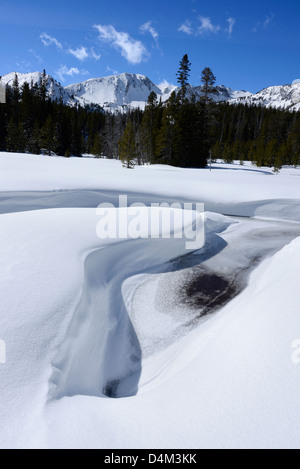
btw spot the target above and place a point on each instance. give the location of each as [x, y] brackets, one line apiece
[86, 319]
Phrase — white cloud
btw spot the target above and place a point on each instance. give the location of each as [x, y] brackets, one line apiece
[186, 28]
[231, 22]
[207, 26]
[165, 84]
[134, 51]
[80, 53]
[65, 71]
[49, 40]
[147, 28]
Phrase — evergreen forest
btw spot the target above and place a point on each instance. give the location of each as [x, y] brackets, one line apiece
[183, 131]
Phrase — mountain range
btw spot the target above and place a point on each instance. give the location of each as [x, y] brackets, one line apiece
[124, 91]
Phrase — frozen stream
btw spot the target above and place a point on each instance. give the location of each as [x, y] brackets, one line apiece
[198, 284]
[129, 313]
[140, 296]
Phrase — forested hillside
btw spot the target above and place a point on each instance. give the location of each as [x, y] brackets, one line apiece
[182, 132]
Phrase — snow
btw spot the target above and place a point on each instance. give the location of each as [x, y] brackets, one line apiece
[115, 92]
[54, 89]
[128, 90]
[27, 173]
[279, 97]
[223, 93]
[86, 319]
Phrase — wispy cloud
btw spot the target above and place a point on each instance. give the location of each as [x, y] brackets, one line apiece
[112, 71]
[133, 50]
[80, 53]
[94, 55]
[24, 66]
[263, 24]
[49, 40]
[207, 26]
[268, 20]
[231, 22]
[64, 71]
[186, 28]
[148, 28]
[35, 55]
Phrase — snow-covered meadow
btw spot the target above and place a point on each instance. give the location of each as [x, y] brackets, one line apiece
[139, 343]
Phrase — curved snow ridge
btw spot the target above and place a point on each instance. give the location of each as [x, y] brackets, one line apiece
[132, 307]
[209, 281]
[17, 201]
[101, 355]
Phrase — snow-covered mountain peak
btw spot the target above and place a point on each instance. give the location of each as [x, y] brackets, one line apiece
[34, 77]
[54, 89]
[279, 97]
[115, 92]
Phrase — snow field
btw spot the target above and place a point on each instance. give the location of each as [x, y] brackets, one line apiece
[86, 319]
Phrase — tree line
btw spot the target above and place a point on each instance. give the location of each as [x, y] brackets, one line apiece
[266, 137]
[184, 131]
[31, 122]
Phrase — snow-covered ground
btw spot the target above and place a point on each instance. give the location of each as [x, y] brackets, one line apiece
[139, 343]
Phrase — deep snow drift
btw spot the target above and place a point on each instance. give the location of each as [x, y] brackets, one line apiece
[140, 343]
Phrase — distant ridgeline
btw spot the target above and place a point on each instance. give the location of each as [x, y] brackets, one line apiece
[180, 131]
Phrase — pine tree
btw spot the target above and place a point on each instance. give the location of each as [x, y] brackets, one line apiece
[127, 146]
[15, 98]
[49, 136]
[33, 142]
[97, 146]
[42, 89]
[183, 76]
[12, 136]
[271, 151]
[217, 151]
[208, 81]
[16, 89]
[164, 145]
[148, 130]
[16, 137]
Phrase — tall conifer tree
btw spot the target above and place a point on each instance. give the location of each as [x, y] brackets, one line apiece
[183, 76]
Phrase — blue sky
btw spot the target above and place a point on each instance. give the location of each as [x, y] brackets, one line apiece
[248, 45]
